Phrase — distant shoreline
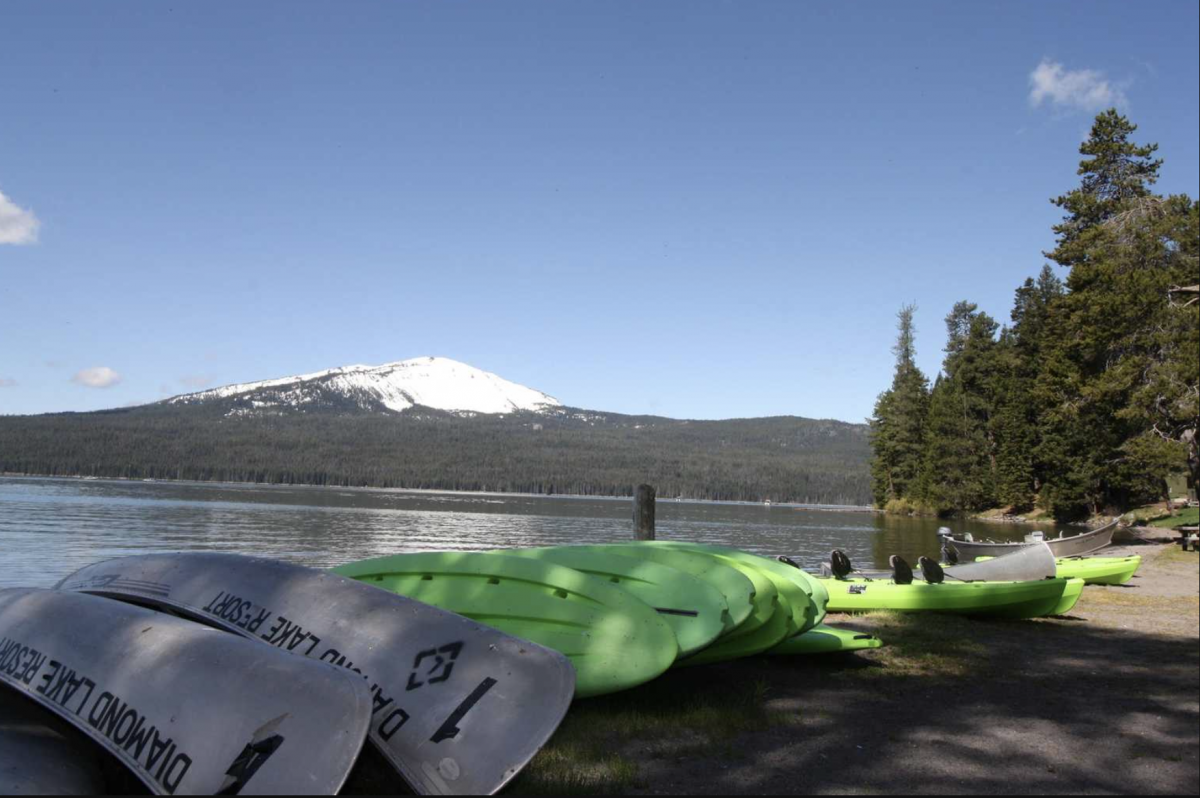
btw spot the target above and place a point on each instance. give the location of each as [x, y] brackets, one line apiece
[835, 508]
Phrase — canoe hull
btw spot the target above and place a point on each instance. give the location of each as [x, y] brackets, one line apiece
[187, 709]
[393, 644]
[1061, 547]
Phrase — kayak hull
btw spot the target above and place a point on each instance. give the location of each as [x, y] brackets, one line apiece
[695, 610]
[1099, 570]
[614, 641]
[826, 639]
[996, 599]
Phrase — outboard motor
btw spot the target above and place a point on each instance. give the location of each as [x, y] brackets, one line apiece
[932, 572]
[840, 564]
[949, 553]
[1037, 536]
[902, 573]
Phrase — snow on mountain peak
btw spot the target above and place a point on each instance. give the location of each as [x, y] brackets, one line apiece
[436, 382]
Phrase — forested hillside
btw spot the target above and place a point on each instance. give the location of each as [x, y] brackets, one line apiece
[558, 451]
[1090, 397]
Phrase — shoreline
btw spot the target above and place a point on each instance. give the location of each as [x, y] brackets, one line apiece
[845, 508]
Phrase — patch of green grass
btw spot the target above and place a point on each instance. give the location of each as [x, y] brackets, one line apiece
[1189, 516]
[670, 717]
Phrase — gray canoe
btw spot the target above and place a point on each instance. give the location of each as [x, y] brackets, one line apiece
[458, 707]
[1026, 563]
[187, 709]
[1074, 546]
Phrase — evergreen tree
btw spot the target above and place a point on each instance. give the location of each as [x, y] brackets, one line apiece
[960, 463]
[898, 425]
[1124, 247]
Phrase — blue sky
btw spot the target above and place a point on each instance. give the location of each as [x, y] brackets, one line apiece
[695, 209]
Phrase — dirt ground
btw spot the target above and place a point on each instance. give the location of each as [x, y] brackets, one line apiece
[1103, 700]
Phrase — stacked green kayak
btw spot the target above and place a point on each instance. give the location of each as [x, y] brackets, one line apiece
[738, 590]
[1098, 570]
[826, 639]
[614, 640]
[624, 613]
[1030, 599]
[695, 610]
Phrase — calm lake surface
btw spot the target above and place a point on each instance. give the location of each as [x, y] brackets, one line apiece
[51, 527]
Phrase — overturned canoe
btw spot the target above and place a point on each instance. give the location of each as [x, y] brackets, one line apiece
[614, 640]
[186, 708]
[968, 550]
[1030, 599]
[826, 639]
[696, 611]
[447, 692]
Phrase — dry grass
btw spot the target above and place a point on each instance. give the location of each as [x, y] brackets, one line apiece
[923, 644]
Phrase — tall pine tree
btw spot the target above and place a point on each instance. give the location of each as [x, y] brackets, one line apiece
[898, 426]
[1124, 247]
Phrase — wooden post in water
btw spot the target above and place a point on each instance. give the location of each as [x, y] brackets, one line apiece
[643, 513]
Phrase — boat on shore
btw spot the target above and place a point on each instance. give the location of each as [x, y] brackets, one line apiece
[1023, 564]
[956, 550]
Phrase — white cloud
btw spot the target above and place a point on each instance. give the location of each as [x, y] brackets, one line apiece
[17, 225]
[7, 382]
[98, 377]
[1074, 89]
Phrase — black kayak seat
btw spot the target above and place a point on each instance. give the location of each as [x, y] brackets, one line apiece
[839, 564]
[902, 572]
[932, 572]
[786, 560]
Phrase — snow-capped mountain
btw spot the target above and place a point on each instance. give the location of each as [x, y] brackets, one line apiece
[434, 382]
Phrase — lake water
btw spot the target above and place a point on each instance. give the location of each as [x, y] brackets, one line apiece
[50, 527]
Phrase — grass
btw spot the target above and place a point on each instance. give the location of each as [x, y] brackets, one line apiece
[1126, 599]
[1189, 516]
[924, 644]
[668, 718]
[1172, 553]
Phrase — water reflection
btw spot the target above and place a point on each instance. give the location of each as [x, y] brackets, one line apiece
[50, 527]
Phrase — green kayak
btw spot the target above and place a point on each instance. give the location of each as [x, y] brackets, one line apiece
[614, 640]
[1098, 570]
[733, 584]
[747, 643]
[696, 611]
[1070, 595]
[1029, 599]
[806, 594]
[826, 639]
